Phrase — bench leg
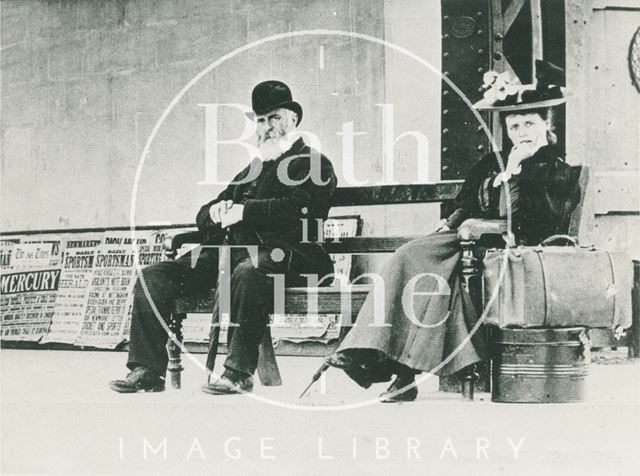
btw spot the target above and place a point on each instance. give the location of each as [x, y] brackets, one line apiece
[468, 378]
[175, 362]
[267, 366]
[471, 379]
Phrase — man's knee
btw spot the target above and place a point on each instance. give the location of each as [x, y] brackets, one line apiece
[152, 274]
[249, 276]
[159, 281]
[246, 272]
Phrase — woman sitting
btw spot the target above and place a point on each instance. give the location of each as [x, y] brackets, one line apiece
[424, 322]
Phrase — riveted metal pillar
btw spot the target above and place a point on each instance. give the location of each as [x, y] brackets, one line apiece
[465, 59]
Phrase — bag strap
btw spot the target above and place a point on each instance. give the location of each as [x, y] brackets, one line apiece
[555, 238]
[544, 288]
[613, 283]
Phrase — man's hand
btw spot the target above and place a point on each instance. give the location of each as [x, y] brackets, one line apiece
[232, 216]
[218, 209]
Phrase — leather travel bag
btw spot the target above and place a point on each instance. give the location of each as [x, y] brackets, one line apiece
[557, 286]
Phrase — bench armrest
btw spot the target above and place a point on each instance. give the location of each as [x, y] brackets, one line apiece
[173, 243]
[473, 229]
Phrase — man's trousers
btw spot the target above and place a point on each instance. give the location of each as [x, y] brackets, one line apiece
[251, 301]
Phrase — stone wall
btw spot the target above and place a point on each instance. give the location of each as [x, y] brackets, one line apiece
[85, 82]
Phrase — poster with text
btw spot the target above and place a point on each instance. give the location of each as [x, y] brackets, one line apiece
[29, 285]
[73, 289]
[110, 291]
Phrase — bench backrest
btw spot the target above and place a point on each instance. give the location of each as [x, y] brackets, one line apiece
[397, 194]
[443, 191]
[574, 220]
[437, 192]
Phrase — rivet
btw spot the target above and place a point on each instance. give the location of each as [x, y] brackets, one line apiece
[497, 37]
[480, 147]
[277, 255]
[446, 35]
[445, 131]
[480, 32]
[480, 69]
[445, 93]
[445, 112]
[445, 54]
[497, 55]
[444, 149]
[478, 14]
[480, 51]
[445, 18]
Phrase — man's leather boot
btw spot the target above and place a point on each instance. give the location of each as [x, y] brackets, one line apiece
[140, 379]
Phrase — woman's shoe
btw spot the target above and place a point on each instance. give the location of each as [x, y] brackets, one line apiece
[339, 360]
[394, 393]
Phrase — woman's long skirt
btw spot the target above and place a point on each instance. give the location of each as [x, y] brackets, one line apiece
[425, 320]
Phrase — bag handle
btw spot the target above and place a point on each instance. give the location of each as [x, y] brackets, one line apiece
[555, 238]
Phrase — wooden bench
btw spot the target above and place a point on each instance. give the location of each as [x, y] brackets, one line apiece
[329, 299]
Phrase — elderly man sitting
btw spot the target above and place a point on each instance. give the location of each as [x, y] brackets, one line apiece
[265, 212]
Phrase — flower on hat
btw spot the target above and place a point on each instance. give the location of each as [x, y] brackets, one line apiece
[504, 92]
[488, 79]
[498, 86]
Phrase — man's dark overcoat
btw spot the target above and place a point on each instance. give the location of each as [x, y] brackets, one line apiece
[286, 198]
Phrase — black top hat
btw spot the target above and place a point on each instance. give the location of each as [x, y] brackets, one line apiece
[270, 95]
[503, 93]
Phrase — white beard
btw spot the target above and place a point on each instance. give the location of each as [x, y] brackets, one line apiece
[270, 149]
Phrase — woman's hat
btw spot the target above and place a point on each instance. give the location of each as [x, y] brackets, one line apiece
[270, 95]
[503, 92]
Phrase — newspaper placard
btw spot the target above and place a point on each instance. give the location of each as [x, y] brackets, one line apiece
[29, 287]
[73, 290]
[27, 302]
[197, 328]
[7, 247]
[300, 328]
[110, 290]
[56, 250]
[35, 255]
[336, 228]
[149, 252]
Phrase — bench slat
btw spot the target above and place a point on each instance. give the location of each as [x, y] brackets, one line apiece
[397, 194]
[329, 300]
[367, 244]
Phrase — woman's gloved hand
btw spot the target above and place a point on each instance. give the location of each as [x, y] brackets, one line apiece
[441, 226]
[518, 154]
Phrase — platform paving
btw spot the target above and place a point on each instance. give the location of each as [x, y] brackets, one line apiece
[60, 417]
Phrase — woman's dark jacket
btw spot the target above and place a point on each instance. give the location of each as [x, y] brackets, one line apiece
[546, 195]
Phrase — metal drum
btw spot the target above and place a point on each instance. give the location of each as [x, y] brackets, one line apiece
[539, 365]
